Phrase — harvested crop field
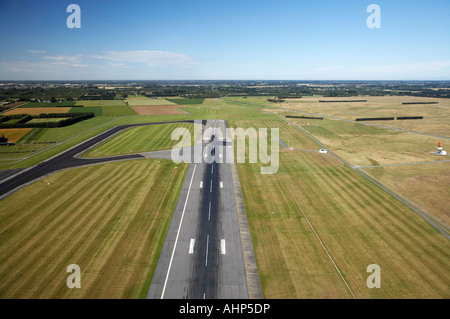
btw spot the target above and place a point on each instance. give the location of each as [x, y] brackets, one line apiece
[156, 109]
[38, 110]
[14, 134]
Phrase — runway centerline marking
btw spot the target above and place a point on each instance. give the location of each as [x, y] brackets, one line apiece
[222, 247]
[210, 188]
[178, 233]
[207, 244]
[209, 211]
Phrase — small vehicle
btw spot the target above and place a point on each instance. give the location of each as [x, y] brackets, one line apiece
[323, 150]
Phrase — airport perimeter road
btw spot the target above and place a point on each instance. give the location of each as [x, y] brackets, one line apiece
[68, 159]
[202, 255]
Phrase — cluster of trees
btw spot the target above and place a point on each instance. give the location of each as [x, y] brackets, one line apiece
[375, 119]
[420, 103]
[90, 90]
[66, 120]
[98, 95]
[304, 117]
[341, 101]
[390, 118]
[21, 118]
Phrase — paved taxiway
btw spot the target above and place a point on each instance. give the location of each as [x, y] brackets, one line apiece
[67, 159]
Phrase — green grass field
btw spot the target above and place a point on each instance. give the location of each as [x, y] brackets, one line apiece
[186, 101]
[110, 107]
[97, 110]
[109, 219]
[140, 139]
[358, 223]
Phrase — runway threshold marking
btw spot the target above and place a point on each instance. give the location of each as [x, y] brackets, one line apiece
[178, 233]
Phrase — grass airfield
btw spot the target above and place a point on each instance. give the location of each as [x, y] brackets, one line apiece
[316, 224]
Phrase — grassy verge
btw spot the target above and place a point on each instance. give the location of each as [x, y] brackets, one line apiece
[109, 219]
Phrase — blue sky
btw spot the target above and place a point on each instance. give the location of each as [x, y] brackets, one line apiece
[233, 39]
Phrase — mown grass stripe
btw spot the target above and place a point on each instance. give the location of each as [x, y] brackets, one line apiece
[72, 226]
[358, 195]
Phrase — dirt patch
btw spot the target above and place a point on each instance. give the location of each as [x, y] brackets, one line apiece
[38, 110]
[156, 109]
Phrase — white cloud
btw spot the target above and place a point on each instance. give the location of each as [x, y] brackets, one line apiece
[150, 58]
[36, 51]
[64, 59]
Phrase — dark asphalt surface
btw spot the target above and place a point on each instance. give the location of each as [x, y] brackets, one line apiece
[202, 256]
[67, 160]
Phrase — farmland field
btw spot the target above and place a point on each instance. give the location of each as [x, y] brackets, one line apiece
[109, 107]
[110, 219]
[156, 109]
[48, 104]
[97, 110]
[14, 134]
[186, 101]
[38, 110]
[148, 101]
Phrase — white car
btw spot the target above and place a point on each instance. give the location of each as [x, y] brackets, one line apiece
[323, 150]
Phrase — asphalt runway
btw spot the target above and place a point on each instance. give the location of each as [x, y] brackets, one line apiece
[68, 159]
[202, 255]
